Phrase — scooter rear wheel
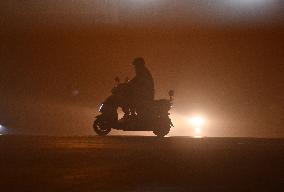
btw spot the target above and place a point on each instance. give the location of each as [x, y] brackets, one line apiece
[162, 129]
[101, 127]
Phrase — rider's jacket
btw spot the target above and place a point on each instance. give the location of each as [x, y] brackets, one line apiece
[142, 85]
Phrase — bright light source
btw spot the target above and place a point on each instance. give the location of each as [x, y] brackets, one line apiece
[197, 131]
[2, 129]
[250, 4]
[197, 121]
[101, 106]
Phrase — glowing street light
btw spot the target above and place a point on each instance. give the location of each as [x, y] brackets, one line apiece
[197, 121]
[197, 131]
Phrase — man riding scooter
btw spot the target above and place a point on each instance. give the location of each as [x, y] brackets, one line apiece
[136, 98]
[140, 89]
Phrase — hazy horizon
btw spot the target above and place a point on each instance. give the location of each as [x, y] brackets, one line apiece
[224, 60]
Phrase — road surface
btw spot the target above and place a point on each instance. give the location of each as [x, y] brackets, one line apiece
[130, 163]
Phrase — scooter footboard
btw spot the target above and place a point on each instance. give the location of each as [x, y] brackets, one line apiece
[135, 124]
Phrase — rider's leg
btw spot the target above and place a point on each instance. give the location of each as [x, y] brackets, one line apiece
[126, 111]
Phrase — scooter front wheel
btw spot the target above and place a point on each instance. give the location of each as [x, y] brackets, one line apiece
[162, 132]
[101, 127]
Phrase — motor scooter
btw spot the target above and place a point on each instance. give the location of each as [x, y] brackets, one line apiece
[154, 117]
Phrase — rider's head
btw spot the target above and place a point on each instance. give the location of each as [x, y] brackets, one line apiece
[139, 61]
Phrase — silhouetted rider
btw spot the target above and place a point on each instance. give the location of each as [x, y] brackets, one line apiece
[141, 86]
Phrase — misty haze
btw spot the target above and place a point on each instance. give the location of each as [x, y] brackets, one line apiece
[88, 90]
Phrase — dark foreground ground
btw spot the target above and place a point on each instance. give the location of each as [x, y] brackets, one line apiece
[140, 164]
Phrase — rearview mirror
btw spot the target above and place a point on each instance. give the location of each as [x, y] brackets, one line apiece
[171, 93]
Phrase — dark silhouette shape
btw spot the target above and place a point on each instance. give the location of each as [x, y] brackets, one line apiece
[135, 96]
[142, 84]
[141, 87]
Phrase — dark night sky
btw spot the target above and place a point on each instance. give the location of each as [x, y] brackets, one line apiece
[225, 60]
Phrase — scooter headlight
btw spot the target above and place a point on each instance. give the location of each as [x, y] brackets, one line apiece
[101, 107]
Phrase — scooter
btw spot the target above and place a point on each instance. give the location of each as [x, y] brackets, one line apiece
[154, 117]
